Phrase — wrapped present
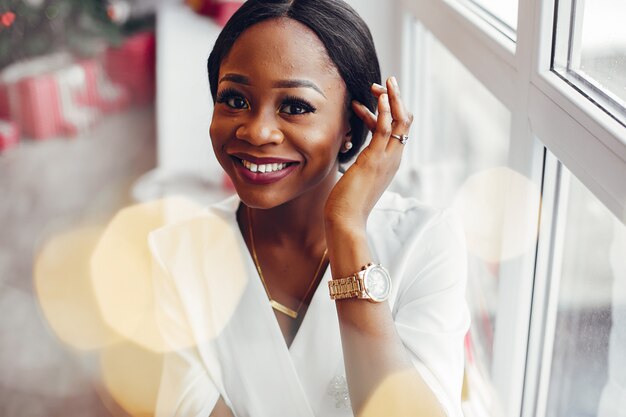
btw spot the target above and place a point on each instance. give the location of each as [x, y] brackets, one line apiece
[35, 106]
[32, 95]
[9, 135]
[75, 116]
[224, 10]
[51, 96]
[5, 109]
[132, 65]
[100, 92]
[220, 10]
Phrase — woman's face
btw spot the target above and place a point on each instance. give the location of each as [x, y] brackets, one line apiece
[281, 117]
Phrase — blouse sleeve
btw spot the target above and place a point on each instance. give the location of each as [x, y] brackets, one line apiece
[431, 313]
[186, 389]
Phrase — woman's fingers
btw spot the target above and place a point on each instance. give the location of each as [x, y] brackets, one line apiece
[397, 106]
[377, 90]
[402, 119]
[383, 123]
[364, 114]
[392, 116]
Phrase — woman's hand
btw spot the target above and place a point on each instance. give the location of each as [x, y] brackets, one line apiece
[355, 194]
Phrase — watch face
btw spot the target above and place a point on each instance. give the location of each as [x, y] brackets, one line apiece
[377, 283]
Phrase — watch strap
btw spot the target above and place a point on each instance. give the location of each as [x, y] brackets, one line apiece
[350, 287]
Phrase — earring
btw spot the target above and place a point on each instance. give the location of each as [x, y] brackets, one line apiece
[346, 147]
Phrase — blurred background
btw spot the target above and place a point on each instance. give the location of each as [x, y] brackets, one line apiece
[104, 111]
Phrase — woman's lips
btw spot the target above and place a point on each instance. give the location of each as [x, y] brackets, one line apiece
[262, 160]
[279, 168]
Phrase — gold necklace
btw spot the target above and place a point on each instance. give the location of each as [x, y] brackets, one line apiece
[275, 304]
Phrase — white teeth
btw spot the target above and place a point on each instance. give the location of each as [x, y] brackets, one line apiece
[265, 168]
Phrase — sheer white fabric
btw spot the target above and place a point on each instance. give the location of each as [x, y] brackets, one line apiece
[225, 340]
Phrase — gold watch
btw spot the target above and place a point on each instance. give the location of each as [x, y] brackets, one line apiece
[371, 283]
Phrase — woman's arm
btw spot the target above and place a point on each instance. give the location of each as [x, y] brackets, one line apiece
[381, 377]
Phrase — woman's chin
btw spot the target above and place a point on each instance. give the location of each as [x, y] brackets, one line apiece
[258, 199]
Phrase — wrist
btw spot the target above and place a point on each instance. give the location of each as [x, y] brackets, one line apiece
[344, 225]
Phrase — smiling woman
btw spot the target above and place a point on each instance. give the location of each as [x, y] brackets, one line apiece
[296, 87]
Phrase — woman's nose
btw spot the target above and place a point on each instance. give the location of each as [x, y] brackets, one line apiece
[260, 130]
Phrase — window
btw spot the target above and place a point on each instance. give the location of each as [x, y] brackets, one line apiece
[551, 304]
[589, 312]
[591, 50]
[463, 146]
[504, 11]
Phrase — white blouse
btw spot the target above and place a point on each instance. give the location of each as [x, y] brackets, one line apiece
[224, 338]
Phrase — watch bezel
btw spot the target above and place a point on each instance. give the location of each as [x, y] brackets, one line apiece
[366, 275]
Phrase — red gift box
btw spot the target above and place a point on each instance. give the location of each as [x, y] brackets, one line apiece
[50, 96]
[9, 135]
[35, 106]
[46, 105]
[99, 91]
[5, 109]
[32, 96]
[220, 10]
[224, 10]
[132, 65]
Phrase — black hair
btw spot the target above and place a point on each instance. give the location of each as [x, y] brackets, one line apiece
[345, 35]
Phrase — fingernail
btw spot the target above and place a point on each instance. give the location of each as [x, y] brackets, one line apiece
[394, 82]
[377, 85]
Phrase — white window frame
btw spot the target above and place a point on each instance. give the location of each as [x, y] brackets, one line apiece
[546, 112]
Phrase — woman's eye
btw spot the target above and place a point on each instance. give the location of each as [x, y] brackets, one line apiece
[293, 109]
[296, 107]
[233, 99]
[236, 103]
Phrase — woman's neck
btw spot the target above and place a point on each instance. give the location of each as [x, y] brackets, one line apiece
[297, 223]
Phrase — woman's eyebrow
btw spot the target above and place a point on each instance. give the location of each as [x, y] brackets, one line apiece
[242, 79]
[236, 78]
[298, 84]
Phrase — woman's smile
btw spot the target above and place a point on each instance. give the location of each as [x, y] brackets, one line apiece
[261, 171]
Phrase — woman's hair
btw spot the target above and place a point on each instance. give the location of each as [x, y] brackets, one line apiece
[345, 35]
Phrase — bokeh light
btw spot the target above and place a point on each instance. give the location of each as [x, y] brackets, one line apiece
[206, 270]
[121, 268]
[494, 205]
[403, 393]
[132, 375]
[63, 288]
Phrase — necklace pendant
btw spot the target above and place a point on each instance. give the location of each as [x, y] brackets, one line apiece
[285, 310]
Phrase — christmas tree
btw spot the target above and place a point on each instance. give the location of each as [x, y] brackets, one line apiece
[36, 27]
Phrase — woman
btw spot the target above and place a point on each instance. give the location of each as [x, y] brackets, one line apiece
[296, 85]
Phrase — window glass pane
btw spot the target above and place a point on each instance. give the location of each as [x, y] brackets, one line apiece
[503, 10]
[590, 51]
[458, 160]
[588, 374]
[603, 44]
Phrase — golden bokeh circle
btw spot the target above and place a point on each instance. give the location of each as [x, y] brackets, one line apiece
[499, 208]
[64, 291]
